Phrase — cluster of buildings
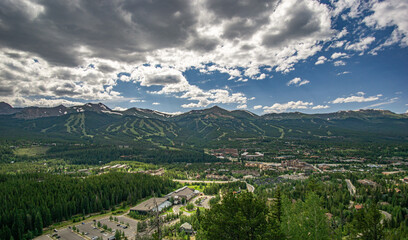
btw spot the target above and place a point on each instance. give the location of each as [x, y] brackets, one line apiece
[256, 155]
[157, 172]
[284, 165]
[234, 153]
[216, 177]
[158, 204]
[224, 152]
[295, 165]
[114, 166]
[367, 182]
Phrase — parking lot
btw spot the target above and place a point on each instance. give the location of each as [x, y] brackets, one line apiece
[90, 231]
[130, 230]
[67, 234]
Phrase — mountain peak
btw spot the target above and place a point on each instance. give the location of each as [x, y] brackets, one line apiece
[5, 106]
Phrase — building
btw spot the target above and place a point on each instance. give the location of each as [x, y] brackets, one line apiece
[223, 152]
[246, 155]
[296, 164]
[187, 228]
[367, 182]
[184, 192]
[149, 206]
[217, 177]
[358, 206]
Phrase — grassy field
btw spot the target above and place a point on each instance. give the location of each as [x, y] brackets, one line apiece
[197, 187]
[31, 151]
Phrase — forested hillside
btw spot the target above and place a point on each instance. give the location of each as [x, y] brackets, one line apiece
[98, 124]
[36, 200]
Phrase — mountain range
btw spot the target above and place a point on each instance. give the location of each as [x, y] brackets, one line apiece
[98, 123]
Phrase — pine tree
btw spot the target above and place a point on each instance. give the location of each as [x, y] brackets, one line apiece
[38, 223]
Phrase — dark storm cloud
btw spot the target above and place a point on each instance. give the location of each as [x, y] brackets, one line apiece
[302, 23]
[240, 8]
[120, 30]
[245, 16]
[105, 68]
[6, 91]
[203, 44]
[163, 79]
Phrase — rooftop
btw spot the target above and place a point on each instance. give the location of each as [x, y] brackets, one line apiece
[186, 226]
[149, 204]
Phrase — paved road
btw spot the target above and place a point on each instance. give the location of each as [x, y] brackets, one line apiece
[351, 187]
[250, 187]
[318, 169]
[199, 181]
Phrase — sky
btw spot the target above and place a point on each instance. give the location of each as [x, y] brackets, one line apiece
[264, 56]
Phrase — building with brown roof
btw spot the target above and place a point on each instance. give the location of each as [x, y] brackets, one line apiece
[151, 205]
[184, 192]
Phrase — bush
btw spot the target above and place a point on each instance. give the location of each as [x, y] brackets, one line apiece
[190, 207]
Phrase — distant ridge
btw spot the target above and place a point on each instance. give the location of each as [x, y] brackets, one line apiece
[98, 123]
[212, 112]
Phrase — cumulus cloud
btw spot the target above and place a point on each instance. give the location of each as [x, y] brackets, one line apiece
[243, 106]
[156, 103]
[80, 49]
[361, 45]
[19, 101]
[282, 107]
[320, 107]
[257, 107]
[157, 76]
[297, 82]
[359, 97]
[339, 63]
[121, 109]
[339, 55]
[321, 60]
[390, 13]
[173, 82]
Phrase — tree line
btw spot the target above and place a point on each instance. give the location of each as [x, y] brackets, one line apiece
[29, 202]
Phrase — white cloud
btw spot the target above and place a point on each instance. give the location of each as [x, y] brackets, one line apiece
[155, 103]
[173, 113]
[243, 106]
[359, 97]
[342, 73]
[297, 82]
[137, 100]
[173, 82]
[121, 109]
[262, 76]
[338, 55]
[361, 45]
[257, 107]
[157, 76]
[320, 107]
[38, 102]
[389, 101]
[321, 60]
[353, 6]
[282, 107]
[230, 38]
[339, 63]
[390, 13]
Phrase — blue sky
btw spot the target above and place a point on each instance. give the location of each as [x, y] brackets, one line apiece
[264, 56]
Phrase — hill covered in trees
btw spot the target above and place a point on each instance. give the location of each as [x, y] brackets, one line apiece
[96, 123]
[36, 200]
